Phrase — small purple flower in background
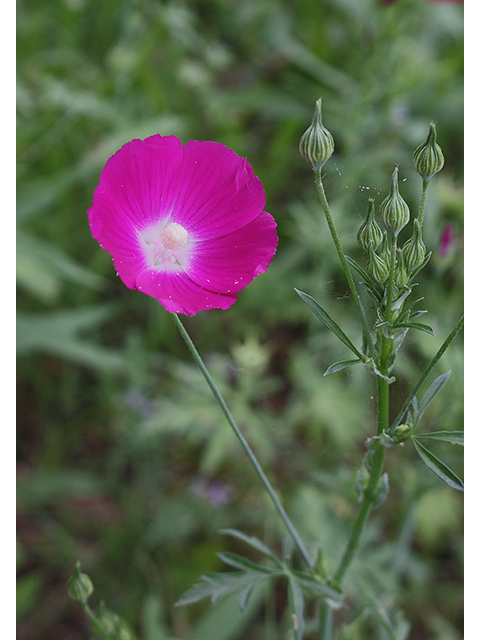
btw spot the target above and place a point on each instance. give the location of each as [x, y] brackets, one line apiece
[446, 239]
[185, 225]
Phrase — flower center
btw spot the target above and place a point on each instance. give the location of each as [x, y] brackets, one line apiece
[167, 249]
[174, 236]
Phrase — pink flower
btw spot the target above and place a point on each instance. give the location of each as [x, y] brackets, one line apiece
[185, 225]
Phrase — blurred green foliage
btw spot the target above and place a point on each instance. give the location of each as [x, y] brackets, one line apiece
[124, 461]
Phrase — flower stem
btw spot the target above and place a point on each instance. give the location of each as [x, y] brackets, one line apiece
[351, 283]
[423, 200]
[270, 490]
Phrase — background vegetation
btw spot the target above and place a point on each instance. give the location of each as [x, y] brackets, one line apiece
[124, 461]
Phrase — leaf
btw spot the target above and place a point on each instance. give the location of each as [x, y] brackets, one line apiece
[419, 268]
[371, 286]
[329, 322]
[59, 332]
[437, 466]
[217, 585]
[416, 325]
[253, 542]
[431, 392]
[341, 364]
[454, 437]
[297, 607]
[319, 588]
[244, 564]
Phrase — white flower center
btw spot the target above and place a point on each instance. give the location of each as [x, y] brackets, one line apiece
[174, 236]
[166, 248]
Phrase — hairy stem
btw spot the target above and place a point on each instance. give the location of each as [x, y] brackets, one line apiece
[351, 283]
[265, 481]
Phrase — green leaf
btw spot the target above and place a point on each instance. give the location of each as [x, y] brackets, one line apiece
[297, 607]
[430, 394]
[437, 466]
[60, 333]
[318, 587]
[329, 322]
[244, 564]
[341, 364]
[418, 269]
[453, 437]
[416, 325]
[370, 284]
[253, 542]
[217, 585]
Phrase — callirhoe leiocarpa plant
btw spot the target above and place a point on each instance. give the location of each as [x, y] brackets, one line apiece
[187, 226]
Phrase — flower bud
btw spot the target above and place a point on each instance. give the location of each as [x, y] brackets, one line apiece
[401, 275]
[79, 585]
[316, 144]
[370, 234]
[428, 157]
[394, 210]
[377, 267]
[414, 249]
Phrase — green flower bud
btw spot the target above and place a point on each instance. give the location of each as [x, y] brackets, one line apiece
[394, 210]
[316, 144]
[428, 157]
[384, 251]
[401, 275]
[414, 249]
[377, 267]
[370, 234]
[79, 585]
[402, 433]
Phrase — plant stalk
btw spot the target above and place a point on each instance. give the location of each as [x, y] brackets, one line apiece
[265, 481]
[351, 283]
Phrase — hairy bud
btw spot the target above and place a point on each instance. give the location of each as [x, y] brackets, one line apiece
[370, 234]
[428, 157]
[316, 144]
[414, 249]
[394, 210]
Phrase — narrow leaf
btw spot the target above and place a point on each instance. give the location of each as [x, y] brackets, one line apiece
[341, 364]
[241, 563]
[437, 466]
[244, 596]
[297, 606]
[253, 542]
[371, 286]
[431, 392]
[416, 325]
[328, 321]
[318, 587]
[453, 437]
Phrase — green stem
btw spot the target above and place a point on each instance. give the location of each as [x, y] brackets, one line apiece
[423, 200]
[351, 283]
[270, 490]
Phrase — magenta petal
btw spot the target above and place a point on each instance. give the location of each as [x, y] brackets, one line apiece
[232, 261]
[219, 193]
[144, 178]
[179, 294]
[151, 187]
